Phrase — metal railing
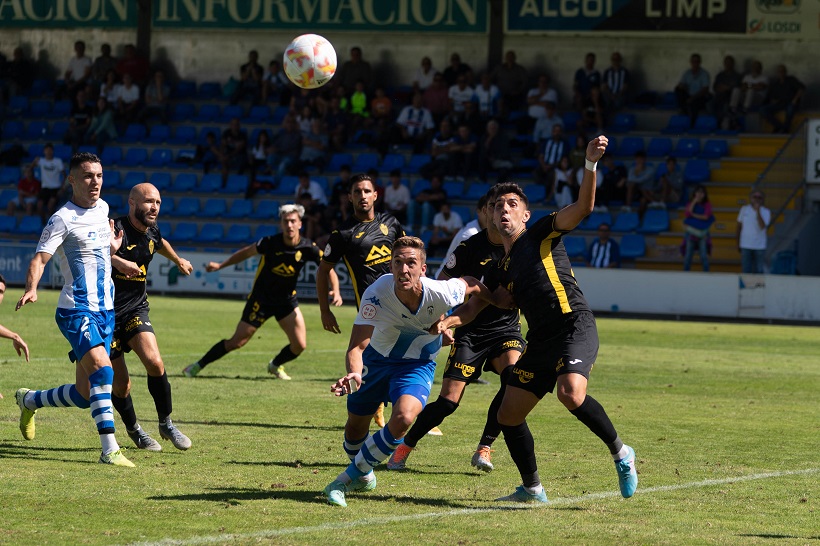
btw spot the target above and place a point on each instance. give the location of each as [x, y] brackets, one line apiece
[784, 178]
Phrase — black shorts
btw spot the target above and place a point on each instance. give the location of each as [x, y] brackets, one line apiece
[469, 358]
[128, 325]
[572, 350]
[256, 312]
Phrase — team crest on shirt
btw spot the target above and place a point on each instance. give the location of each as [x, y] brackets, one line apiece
[298, 255]
[430, 310]
[150, 247]
[327, 249]
[383, 229]
[368, 311]
[451, 261]
[46, 234]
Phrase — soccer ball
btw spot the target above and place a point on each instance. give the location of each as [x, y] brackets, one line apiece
[310, 61]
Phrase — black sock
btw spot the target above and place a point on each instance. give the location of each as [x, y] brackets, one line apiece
[285, 355]
[522, 450]
[431, 416]
[592, 414]
[125, 407]
[160, 391]
[214, 353]
[491, 428]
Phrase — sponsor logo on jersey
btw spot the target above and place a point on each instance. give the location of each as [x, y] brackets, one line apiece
[466, 370]
[132, 324]
[576, 361]
[560, 364]
[511, 344]
[359, 235]
[284, 270]
[129, 247]
[298, 255]
[377, 255]
[485, 262]
[383, 229]
[375, 301]
[523, 376]
[369, 311]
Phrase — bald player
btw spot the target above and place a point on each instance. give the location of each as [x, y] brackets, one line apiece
[133, 329]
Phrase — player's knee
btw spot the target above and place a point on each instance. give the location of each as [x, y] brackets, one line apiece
[238, 343]
[401, 421]
[571, 398]
[298, 347]
[121, 389]
[155, 366]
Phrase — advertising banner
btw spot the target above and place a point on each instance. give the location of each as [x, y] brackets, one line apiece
[813, 152]
[14, 260]
[779, 19]
[68, 13]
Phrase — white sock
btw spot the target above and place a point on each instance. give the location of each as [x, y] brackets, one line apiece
[534, 490]
[367, 478]
[344, 478]
[109, 443]
[621, 454]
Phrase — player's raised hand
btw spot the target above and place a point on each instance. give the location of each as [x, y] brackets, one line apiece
[210, 267]
[596, 148]
[329, 322]
[185, 266]
[347, 384]
[116, 238]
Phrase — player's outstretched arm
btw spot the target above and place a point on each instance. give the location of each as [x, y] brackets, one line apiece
[359, 340]
[18, 343]
[500, 297]
[570, 216]
[126, 267]
[239, 256]
[35, 273]
[168, 251]
[328, 318]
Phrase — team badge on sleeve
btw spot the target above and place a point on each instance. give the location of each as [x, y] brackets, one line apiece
[327, 249]
[451, 261]
[369, 311]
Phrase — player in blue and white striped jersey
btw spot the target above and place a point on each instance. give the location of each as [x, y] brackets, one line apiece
[80, 235]
[391, 356]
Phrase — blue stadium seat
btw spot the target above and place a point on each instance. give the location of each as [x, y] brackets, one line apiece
[39, 109]
[687, 147]
[418, 186]
[87, 148]
[134, 157]
[655, 221]
[214, 207]
[35, 150]
[696, 171]
[571, 119]
[132, 178]
[477, 190]
[9, 175]
[595, 219]
[160, 157]
[209, 90]
[266, 210]
[183, 134]
[633, 245]
[41, 87]
[111, 179]
[64, 152]
[116, 203]
[365, 161]
[164, 227]
[704, 125]
[211, 233]
[537, 214]
[210, 183]
[58, 131]
[237, 183]
[453, 189]
[207, 113]
[714, 149]
[60, 109]
[337, 160]
[240, 208]
[238, 233]
[265, 230]
[7, 195]
[29, 225]
[12, 130]
[630, 145]
[279, 114]
[626, 221]
[287, 186]
[231, 111]
[161, 180]
[391, 162]
[575, 246]
[416, 162]
[167, 206]
[135, 132]
[184, 231]
[184, 89]
[659, 147]
[677, 124]
[184, 182]
[36, 130]
[183, 111]
[623, 123]
[186, 206]
[185, 158]
[668, 101]
[158, 134]
[7, 223]
[784, 263]
[110, 156]
[535, 193]
[18, 106]
[259, 113]
[463, 211]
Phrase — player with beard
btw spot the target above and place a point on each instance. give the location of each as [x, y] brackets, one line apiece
[364, 241]
[562, 341]
[273, 293]
[133, 329]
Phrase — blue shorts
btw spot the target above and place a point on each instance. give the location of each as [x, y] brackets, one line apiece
[385, 380]
[85, 330]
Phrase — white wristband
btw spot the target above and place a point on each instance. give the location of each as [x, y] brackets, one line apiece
[590, 165]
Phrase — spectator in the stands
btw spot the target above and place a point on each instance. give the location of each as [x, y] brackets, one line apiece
[577, 154]
[80, 121]
[487, 98]
[494, 153]
[78, 74]
[234, 146]
[566, 185]
[354, 70]
[249, 85]
[397, 197]
[101, 66]
[441, 162]
[381, 117]
[692, 90]
[785, 94]
[752, 90]
[102, 129]
[275, 85]
[725, 82]
[340, 185]
[537, 99]
[359, 112]
[753, 222]
[698, 218]
[671, 182]
[464, 153]
[110, 88]
[604, 252]
[128, 100]
[511, 79]
[337, 123]
[615, 84]
[258, 154]
[430, 200]
[157, 99]
[314, 146]
[613, 183]
[133, 64]
[424, 75]
[639, 180]
[286, 147]
[436, 98]
[52, 171]
[552, 151]
[28, 189]
[18, 76]
[209, 154]
[414, 125]
[446, 224]
[313, 217]
[311, 187]
[587, 94]
[459, 94]
[544, 125]
[303, 119]
[456, 69]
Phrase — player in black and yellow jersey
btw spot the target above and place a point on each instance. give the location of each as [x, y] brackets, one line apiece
[273, 293]
[491, 342]
[562, 337]
[133, 329]
[364, 241]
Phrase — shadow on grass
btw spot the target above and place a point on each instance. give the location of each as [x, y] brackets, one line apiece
[210, 377]
[769, 535]
[261, 425]
[25, 448]
[15, 451]
[287, 464]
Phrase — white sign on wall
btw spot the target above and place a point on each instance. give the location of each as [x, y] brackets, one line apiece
[813, 152]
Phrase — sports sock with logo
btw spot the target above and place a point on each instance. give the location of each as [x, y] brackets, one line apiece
[431, 416]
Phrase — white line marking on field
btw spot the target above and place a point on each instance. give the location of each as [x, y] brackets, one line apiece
[332, 526]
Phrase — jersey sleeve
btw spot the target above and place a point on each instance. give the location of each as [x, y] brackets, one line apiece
[315, 254]
[397, 227]
[158, 244]
[458, 261]
[371, 312]
[53, 235]
[454, 292]
[545, 228]
[264, 245]
[335, 248]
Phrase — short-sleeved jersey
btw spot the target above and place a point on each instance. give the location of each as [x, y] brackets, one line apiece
[476, 257]
[365, 248]
[80, 240]
[279, 267]
[538, 273]
[400, 335]
[138, 247]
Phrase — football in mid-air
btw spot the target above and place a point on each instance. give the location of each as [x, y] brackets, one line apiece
[310, 61]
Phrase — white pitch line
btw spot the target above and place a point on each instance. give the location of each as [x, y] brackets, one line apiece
[218, 539]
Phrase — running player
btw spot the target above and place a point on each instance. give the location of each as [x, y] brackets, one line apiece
[562, 337]
[273, 293]
[133, 329]
[16, 341]
[80, 234]
[364, 242]
[392, 355]
[491, 342]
